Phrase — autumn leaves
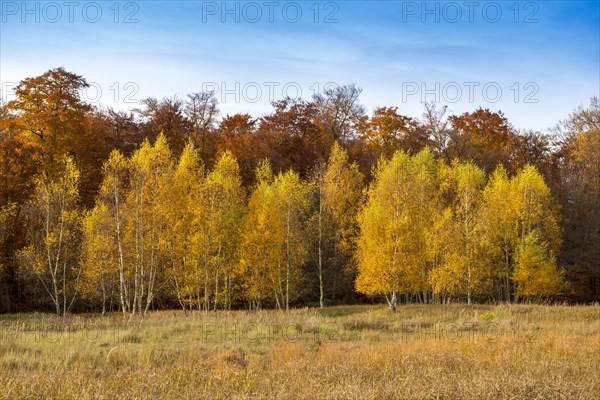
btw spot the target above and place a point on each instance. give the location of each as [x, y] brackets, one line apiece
[432, 229]
[208, 225]
[169, 229]
[176, 230]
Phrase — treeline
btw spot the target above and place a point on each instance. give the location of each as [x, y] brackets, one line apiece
[171, 205]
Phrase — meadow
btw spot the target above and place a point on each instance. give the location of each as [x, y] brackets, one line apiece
[450, 351]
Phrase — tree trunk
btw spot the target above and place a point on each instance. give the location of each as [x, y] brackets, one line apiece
[393, 301]
[103, 301]
[217, 270]
[287, 272]
[321, 304]
[122, 287]
[507, 272]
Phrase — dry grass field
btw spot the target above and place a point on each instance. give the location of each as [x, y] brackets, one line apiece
[350, 352]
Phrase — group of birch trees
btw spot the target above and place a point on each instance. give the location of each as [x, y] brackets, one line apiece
[431, 229]
[174, 229]
[169, 229]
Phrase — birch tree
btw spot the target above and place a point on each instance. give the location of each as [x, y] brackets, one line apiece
[536, 274]
[150, 169]
[500, 226]
[462, 271]
[112, 196]
[54, 227]
[218, 217]
[178, 203]
[292, 199]
[260, 255]
[99, 257]
[391, 247]
[538, 225]
[338, 186]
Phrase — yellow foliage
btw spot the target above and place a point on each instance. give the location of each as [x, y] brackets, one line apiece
[391, 247]
[536, 274]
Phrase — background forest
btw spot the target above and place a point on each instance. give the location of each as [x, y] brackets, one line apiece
[317, 202]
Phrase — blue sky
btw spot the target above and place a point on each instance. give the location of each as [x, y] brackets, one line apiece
[534, 60]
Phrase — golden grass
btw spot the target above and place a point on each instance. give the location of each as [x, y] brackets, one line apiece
[352, 352]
